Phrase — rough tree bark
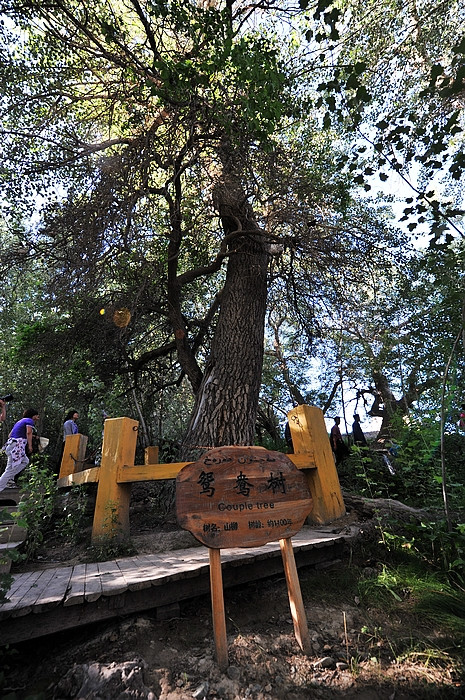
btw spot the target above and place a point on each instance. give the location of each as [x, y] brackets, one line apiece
[226, 404]
[386, 406]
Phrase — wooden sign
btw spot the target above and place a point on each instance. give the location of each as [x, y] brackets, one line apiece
[242, 497]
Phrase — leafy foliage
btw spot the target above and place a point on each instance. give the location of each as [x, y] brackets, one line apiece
[74, 509]
[36, 511]
[385, 81]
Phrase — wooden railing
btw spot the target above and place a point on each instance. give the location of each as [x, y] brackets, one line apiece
[117, 471]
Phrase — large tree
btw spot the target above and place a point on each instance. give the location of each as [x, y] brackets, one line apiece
[183, 172]
[385, 345]
[139, 109]
[147, 119]
[162, 140]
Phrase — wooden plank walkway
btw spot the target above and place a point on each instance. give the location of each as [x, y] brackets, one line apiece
[52, 600]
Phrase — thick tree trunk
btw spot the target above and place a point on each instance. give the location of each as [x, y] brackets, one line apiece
[391, 406]
[227, 401]
[386, 406]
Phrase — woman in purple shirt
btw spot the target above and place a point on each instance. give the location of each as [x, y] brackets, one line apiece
[15, 447]
[70, 426]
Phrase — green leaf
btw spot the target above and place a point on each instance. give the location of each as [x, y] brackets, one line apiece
[460, 47]
[435, 72]
[363, 95]
[331, 102]
[352, 81]
[322, 6]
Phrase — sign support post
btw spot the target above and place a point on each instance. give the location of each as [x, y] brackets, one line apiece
[296, 603]
[219, 619]
[245, 497]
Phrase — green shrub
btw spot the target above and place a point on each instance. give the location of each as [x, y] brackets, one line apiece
[73, 513]
[417, 480]
[5, 578]
[35, 511]
[432, 543]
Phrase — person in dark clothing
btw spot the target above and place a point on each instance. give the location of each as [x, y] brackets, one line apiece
[288, 438]
[357, 432]
[338, 445]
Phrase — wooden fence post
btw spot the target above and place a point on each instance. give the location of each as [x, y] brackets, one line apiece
[74, 453]
[310, 437]
[111, 516]
[151, 454]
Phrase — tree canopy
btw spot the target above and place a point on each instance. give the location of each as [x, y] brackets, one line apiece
[186, 191]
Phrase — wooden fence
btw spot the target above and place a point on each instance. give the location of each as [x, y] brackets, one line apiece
[117, 471]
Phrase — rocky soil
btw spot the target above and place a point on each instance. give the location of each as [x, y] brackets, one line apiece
[356, 651]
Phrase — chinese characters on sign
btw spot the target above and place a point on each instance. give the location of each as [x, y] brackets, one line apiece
[205, 480]
[242, 496]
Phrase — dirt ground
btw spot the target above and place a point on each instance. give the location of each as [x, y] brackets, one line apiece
[356, 652]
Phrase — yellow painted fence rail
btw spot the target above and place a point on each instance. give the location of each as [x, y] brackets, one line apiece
[117, 471]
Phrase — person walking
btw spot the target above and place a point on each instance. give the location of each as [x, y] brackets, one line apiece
[70, 426]
[18, 446]
[357, 432]
[338, 445]
[2, 410]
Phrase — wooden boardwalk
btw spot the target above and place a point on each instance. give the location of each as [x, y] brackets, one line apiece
[52, 600]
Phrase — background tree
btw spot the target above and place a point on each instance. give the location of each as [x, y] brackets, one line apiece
[392, 77]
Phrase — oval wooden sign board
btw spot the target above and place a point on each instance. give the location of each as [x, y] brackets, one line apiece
[241, 497]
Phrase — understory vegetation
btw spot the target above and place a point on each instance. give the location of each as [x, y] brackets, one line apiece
[409, 559]
[404, 574]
